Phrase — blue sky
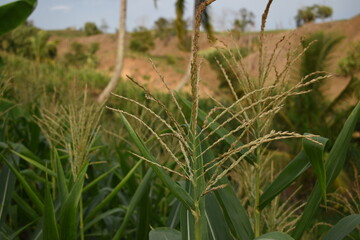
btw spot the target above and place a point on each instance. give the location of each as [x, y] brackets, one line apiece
[59, 14]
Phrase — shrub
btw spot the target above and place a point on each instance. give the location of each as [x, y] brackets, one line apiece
[142, 40]
[90, 29]
[164, 29]
[81, 55]
[349, 65]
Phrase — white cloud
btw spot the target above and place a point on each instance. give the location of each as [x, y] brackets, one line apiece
[64, 8]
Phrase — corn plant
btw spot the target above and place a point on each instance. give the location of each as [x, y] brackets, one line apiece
[209, 208]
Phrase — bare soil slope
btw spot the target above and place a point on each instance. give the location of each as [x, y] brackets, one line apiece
[172, 62]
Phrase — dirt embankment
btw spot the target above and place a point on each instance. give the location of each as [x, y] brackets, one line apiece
[172, 62]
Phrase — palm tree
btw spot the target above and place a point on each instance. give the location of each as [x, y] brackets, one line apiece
[181, 31]
[120, 55]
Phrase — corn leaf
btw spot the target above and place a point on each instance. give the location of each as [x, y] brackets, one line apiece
[50, 229]
[174, 216]
[217, 226]
[175, 189]
[291, 172]
[61, 180]
[68, 212]
[333, 166]
[15, 13]
[274, 236]
[30, 192]
[164, 234]
[113, 193]
[35, 163]
[314, 151]
[101, 217]
[140, 191]
[144, 215]
[345, 226]
[7, 184]
[98, 179]
[234, 213]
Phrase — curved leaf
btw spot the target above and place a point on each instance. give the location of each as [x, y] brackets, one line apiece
[164, 234]
[290, 173]
[314, 151]
[234, 213]
[333, 166]
[175, 189]
[68, 213]
[274, 236]
[50, 229]
[345, 226]
[145, 183]
[15, 13]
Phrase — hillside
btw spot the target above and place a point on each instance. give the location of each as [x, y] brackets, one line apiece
[172, 62]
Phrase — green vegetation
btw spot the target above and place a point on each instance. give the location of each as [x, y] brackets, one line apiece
[90, 29]
[142, 40]
[310, 14]
[81, 55]
[154, 165]
[29, 42]
[164, 30]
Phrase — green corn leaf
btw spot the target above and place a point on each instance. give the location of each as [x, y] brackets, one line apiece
[50, 229]
[291, 172]
[113, 193]
[333, 166]
[61, 180]
[35, 163]
[217, 226]
[175, 189]
[221, 131]
[15, 13]
[234, 213]
[314, 151]
[68, 212]
[98, 179]
[101, 216]
[164, 234]
[187, 221]
[345, 226]
[174, 216]
[140, 191]
[20, 230]
[7, 184]
[27, 210]
[274, 236]
[30, 192]
[144, 215]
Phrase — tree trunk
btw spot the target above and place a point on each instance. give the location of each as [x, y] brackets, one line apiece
[120, 55]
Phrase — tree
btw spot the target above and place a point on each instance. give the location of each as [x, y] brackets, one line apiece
[323, 12]
[90, 28]
[120, 55]
[310, 14]
[164, 29]
[142, 40]
[246, 19]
